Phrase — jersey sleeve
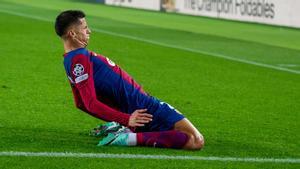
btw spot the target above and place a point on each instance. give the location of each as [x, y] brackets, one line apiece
[85, 93]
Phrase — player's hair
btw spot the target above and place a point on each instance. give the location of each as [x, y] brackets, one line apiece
[66, 19]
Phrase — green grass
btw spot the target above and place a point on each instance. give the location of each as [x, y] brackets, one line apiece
[67, 163]
[243, 110]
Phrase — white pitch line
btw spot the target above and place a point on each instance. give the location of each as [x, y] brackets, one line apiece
[143, 156]
[25, 15]
[164, 44]
[288, 65]
[198, 51]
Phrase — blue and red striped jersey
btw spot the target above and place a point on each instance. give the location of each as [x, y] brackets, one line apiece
[102, 89]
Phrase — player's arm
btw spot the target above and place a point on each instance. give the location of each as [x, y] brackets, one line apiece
[78, 102]
[87, 100]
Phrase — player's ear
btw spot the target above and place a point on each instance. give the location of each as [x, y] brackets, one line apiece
[72, 34]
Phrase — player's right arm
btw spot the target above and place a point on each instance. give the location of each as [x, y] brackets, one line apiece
[86, 99]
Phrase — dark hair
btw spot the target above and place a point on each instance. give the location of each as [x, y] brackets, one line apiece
[66, 19]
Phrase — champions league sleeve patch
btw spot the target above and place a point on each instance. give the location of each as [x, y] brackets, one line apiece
[78, 70]
[79, 73]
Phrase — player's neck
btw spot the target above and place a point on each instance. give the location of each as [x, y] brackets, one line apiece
[69, 46]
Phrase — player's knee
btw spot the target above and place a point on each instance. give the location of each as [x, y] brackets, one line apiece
[195, 142]
[199, 142]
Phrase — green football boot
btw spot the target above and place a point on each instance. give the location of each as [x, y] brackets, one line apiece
[105, 129]
[119, 139]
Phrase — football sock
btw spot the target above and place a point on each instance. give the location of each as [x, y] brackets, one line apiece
[163, 139]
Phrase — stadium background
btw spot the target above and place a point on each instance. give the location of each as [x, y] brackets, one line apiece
[237, 82]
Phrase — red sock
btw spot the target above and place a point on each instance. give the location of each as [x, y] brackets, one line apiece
[162, 139]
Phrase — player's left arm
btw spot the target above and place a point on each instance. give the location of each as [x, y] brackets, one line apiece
[85, 93]
[85, 97]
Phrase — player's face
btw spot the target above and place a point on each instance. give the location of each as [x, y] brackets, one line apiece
[82, 33]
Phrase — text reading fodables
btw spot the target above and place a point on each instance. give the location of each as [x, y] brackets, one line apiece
[255, 8]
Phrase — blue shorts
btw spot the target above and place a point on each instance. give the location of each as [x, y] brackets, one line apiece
[164, 118]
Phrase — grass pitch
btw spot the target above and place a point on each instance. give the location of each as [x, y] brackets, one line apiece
[246, 105]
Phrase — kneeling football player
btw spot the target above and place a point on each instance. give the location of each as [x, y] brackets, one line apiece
[102, 89]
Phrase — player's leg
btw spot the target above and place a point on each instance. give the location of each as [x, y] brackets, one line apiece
[117, 134]
[195, 138]
[174, 120]
[169, 129]
[162, 139]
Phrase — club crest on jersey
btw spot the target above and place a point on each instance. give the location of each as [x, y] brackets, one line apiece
[111, 63]
[78, 70]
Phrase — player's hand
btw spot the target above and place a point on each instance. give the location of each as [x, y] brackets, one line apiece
[80, 42]
[139, 118]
